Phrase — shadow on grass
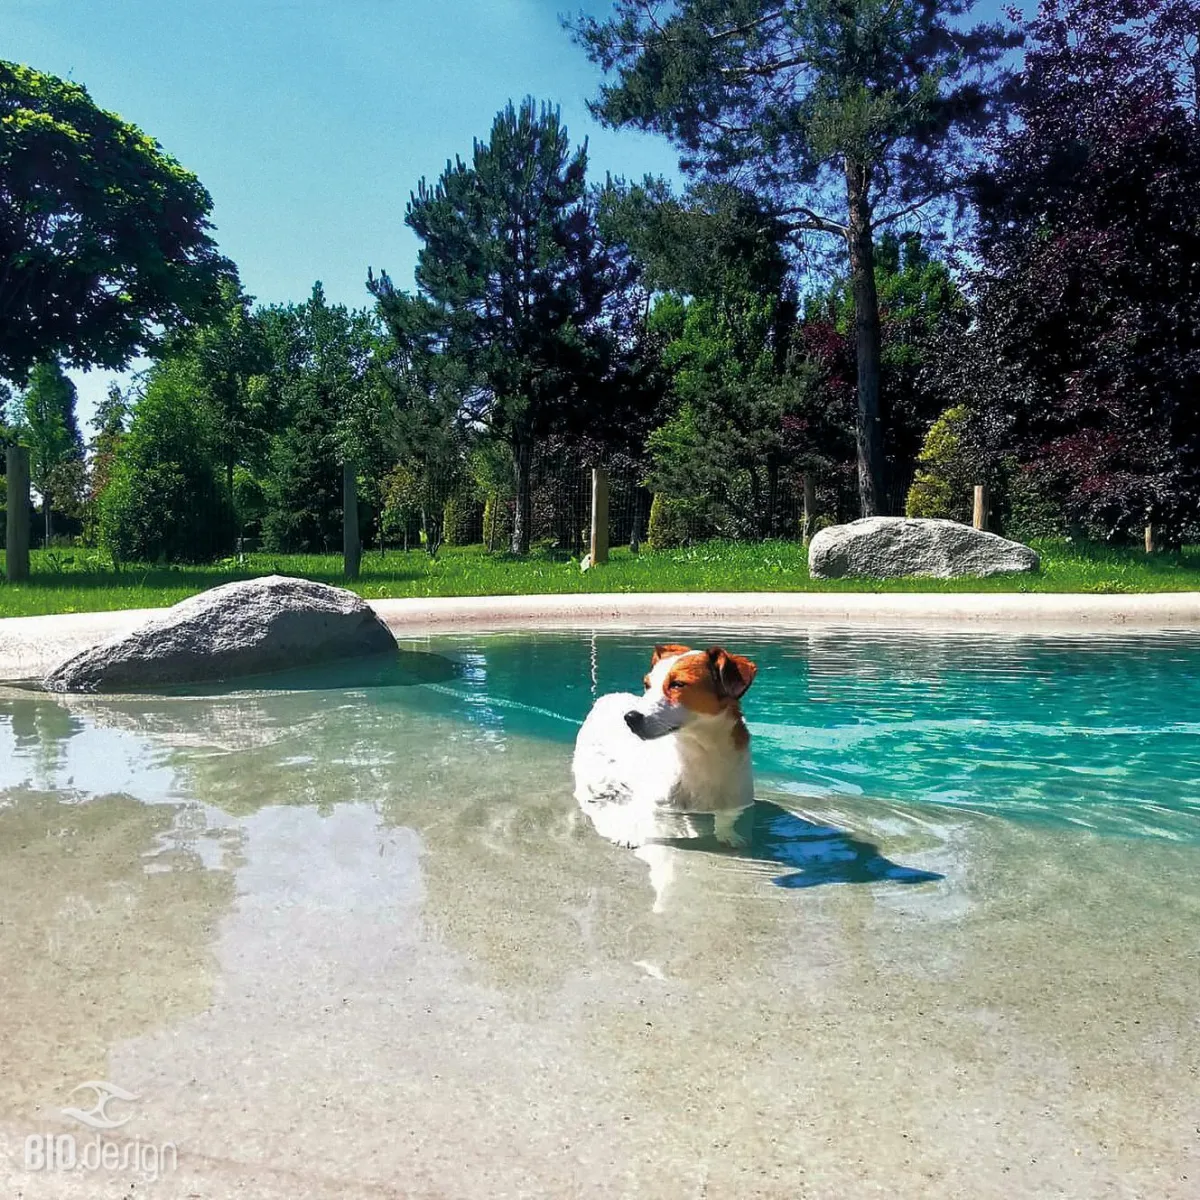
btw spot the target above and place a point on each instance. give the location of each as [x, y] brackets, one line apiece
[197, 579]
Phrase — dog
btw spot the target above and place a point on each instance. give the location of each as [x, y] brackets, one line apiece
[643, 764]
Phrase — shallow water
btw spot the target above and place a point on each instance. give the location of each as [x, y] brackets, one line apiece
[349, 936]
[1099, 732]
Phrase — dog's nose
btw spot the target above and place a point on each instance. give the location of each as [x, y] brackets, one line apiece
[635, 720]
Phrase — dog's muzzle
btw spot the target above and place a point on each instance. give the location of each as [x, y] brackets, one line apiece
[646, 727]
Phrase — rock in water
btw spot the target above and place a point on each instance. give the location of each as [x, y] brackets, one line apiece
[890, 547]
[250, 628]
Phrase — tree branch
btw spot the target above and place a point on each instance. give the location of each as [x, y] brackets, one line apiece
[812, 220]
[904, 211]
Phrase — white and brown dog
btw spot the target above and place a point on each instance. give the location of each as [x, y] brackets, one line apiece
[680, 748]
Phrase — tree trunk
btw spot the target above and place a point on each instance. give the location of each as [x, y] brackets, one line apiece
[351, 544]
[772, 495]
[46, 513]
[810, 507]
[871, 488]
[523, 509]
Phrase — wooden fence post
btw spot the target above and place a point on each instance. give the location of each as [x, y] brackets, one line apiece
[599, 547]
[351, 546]
[980, 520]
[1149, 538]
[16, 535]
[810, 507]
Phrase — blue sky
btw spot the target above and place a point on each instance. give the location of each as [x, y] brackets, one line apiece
[310, 121]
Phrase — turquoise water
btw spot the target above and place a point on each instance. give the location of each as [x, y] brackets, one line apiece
[1102, 733]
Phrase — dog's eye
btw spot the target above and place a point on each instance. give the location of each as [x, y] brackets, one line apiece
[676, 685]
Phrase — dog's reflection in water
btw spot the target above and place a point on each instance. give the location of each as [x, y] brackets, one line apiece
[811, 853]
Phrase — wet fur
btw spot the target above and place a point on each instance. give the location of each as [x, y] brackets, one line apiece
[692, 755]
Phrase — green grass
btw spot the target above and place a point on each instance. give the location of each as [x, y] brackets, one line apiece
[83, 581]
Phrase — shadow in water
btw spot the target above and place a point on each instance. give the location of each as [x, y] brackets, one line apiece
[816, 853]
[402, 668]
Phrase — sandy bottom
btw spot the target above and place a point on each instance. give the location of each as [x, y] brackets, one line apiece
[337, 948]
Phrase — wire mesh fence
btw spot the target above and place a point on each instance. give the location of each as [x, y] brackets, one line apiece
[408, 507]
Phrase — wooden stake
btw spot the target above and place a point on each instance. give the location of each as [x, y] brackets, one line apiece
[599, 547]
[980, 518]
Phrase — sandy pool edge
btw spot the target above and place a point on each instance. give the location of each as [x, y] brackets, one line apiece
[31, 646]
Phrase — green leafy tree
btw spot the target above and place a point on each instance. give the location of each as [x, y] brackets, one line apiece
[330, 402]
[517, 286]
[164, 500]
[426, 429]
[920, 306]
[8, 437]
[104, 239]
[47, 424]
[403, 490]
[230, 360]
[109, 425]
[845, 116]
[722, 451]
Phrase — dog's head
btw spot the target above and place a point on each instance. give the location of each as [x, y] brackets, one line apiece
[685, 685]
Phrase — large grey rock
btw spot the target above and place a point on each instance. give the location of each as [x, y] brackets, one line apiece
[889, 547]
[251, 628]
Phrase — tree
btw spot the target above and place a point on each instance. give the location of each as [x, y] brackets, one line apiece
[327, 393]
[163, 499]
[724, 447]
[229, 362]
[104, 239]
[426, 431]
[1089, 289]
[109, 424]
[918, 300]
[46, 423]
[516, 285]
[846, 116]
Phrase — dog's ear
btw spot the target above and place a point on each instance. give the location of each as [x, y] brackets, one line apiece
[668, 651]
[733, 673]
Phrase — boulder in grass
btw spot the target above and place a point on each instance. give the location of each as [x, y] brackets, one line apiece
[892, 547]
[256, 627]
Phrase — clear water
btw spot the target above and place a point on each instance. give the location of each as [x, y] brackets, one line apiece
[349, 928]
[1097, 732]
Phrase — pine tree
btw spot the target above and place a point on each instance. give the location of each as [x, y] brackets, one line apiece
[845, 116]
[517, 284]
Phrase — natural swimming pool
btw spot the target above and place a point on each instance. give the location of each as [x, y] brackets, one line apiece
[354, 933]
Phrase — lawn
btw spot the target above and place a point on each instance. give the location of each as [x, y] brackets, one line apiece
[83, 580]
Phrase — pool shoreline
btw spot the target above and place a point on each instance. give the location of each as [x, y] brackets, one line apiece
[31, 646]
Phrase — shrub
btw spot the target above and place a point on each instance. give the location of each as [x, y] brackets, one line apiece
[668, 526]
[462, 521]
[944, 480]
[1032, 508]
[163, 501]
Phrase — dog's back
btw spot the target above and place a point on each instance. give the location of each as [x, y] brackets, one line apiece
[635, 790]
